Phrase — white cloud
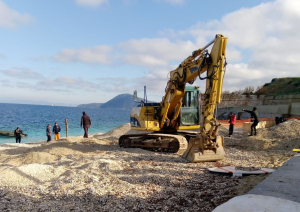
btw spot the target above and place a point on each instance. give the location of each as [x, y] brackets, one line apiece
[68, 82]
[23, 73]
[91, 3]
[97, 54]
[263, 43]
[155, 52]
[6, 83]
[249, 27]
[174, 1]
[10, 18]
[233, 55]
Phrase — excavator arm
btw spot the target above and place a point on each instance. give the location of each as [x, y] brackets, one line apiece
[207, 142]
[187, 72]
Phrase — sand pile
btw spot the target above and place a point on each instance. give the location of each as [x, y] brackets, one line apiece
[94, 174]
[31, 157]
[285, 130]
[115, 133]
[284, 136]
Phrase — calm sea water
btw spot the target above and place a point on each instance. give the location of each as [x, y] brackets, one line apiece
[33, 120]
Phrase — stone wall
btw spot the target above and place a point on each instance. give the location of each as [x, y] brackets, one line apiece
[268, 106]
[264, 111]
[232, 100]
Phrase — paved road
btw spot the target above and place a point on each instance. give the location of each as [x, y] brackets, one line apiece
[284, 183]
[278, 192]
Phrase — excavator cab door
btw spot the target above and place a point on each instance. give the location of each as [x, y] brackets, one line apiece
[189, 114]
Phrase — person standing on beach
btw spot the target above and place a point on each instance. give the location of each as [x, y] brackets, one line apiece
[48, 132]
[232, 120]
[254, 114]
[18, 134]
[86, 123]
[56, 131]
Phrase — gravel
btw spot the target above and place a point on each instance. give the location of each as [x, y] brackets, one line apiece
[94, 174]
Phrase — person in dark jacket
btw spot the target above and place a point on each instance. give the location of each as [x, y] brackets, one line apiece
[232, 120]
[86, 123]
[18, 134]
[254, 114]
[56, 131]
[48, 132]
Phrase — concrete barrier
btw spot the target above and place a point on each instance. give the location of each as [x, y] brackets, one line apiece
[261, 124]
[295, 108]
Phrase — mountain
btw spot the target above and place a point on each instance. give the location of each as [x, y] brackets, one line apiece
[124, 101]
[281, 86]
[91, 105]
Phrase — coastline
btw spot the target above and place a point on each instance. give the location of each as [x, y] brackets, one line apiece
[95, 174]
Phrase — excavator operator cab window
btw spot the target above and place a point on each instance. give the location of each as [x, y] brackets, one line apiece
[190, 99]
[189, 114]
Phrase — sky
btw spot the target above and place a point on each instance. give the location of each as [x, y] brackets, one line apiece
[88, 51]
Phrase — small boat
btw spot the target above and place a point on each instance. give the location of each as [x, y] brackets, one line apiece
[9, 133]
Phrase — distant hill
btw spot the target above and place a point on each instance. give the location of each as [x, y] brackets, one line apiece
[91, 105]
[123, 101]
[281, 86]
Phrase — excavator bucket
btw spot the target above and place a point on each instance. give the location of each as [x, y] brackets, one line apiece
[196, 151]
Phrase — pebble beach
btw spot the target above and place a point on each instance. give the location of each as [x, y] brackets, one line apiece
[94, 174]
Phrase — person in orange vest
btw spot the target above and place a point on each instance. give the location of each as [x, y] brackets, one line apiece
[232, 120]
[56, 131]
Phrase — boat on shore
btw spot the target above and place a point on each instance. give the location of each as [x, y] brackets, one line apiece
[9, 133]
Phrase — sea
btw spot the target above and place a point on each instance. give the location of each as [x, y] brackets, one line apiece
[33, 120]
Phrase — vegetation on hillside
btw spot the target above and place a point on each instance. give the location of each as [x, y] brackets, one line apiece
[281, 86]
[278, 86]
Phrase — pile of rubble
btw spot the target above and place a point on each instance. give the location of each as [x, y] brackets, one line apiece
[284, 136]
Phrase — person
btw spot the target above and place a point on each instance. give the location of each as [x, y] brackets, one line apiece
[48, 132]
[56, 131]
[254, 114]
[232, 120]
[86, 123]
[18, 134]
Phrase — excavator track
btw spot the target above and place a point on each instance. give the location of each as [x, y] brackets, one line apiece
[155, 141]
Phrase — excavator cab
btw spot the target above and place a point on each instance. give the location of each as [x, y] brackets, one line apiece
[145, 116]
[189, 114]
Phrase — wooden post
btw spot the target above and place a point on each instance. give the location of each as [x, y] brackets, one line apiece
[66, 121]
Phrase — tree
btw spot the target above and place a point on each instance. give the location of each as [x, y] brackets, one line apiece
[258, 88]
[248, 90]
[226, 92]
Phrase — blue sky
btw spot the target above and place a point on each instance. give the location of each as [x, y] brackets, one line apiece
[82, 51]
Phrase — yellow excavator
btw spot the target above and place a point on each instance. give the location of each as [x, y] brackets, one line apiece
[172, 120]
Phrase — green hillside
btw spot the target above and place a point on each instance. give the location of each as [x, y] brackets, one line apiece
[281, 86]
